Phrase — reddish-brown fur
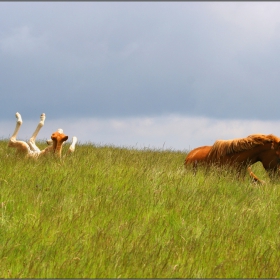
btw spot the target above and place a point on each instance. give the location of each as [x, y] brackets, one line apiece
[240, 153]
[56, 148]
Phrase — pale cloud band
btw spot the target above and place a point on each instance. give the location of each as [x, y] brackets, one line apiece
[167, 132]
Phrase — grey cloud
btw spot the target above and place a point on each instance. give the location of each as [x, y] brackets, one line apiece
[137, 59]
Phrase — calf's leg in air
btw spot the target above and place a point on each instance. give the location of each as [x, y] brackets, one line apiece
[21, 146]
[32, 140]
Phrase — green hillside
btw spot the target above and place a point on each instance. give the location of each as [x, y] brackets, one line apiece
[109, 212]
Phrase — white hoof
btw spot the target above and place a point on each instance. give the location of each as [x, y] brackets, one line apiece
[42, 118]
[19, 119]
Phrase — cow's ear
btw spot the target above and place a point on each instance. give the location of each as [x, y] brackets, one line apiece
[65, 138]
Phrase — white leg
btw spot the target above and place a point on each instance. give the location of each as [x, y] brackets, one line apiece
[72, 146]
[32, 140]
[21, 146]
[18, 125]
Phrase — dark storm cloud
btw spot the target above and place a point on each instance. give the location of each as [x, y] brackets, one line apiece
[122, 59]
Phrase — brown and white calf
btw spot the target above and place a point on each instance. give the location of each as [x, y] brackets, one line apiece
[30, 149]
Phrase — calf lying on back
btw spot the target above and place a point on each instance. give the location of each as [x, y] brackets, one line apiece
[30, 149]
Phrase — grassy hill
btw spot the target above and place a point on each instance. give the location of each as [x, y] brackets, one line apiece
[120, 212]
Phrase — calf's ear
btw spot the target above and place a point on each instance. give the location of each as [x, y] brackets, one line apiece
[65, 138]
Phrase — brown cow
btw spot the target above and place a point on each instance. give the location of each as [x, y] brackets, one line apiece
[241, 153]
[30, 149]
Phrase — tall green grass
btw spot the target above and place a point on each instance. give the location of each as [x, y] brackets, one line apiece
[122, 212]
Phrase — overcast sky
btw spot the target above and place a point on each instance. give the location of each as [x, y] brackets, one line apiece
[173, 74]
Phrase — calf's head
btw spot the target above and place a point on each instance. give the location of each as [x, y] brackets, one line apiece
[58, 138]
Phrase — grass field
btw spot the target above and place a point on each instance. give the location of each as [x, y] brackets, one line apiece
[121, 212]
